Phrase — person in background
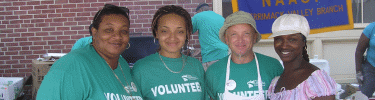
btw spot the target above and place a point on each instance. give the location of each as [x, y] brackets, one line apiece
[300, 80]
[208, 24]
[244, 74]
[168, 74]
[365, 64]
[96, 71]
[82, 42]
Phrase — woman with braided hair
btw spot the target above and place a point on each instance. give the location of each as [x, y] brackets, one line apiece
[169, 74]
[300, 80]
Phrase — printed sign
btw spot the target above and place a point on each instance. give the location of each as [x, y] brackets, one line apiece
[322, 15]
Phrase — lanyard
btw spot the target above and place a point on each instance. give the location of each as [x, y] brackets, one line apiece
[230, 96]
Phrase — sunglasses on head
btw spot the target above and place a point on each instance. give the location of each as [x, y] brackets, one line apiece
[109, 6]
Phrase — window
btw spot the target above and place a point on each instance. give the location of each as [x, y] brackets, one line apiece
[360, 18]
[227, 8]
[363, 13]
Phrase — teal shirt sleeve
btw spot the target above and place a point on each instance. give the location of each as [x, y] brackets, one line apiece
[369, 31]
[137, 77]
[82, 42]
[195, 24]
[84, 75]
[61, 84]
[209, 87]
[213, 76]
[274, 67]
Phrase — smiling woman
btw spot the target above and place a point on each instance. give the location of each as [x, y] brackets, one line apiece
[95, 71]
[171, 35]
[300, 80]
[111, 38]
[168, 74]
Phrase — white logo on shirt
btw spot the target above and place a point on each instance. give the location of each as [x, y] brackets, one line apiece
[133, 86]
[188, 77]
[244, 94]
[114, 96]
[253, 83]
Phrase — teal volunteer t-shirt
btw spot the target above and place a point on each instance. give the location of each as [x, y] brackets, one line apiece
[369, 31]
[84, 75]
[156, 82]
[245, 76]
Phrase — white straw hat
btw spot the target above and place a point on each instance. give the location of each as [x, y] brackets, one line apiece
[290, 24]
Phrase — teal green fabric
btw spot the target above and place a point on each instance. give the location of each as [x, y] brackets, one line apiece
[82, 42]
[84, 75]
[208, 24]
[369, 31]
[156, 82]
[245, 76]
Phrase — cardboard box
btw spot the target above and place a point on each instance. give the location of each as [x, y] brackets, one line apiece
[39, 70]
[10, 87]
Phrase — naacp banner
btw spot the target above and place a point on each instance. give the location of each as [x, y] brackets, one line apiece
[322, 15]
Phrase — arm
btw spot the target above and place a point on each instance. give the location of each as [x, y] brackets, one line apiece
[202, 76]
[208, 92]
[331, 97]
[60, 84]
[361, 48]
[209, 87]
[137, 76]
[195, 26]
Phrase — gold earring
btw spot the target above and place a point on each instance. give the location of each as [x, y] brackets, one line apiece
[128, 46]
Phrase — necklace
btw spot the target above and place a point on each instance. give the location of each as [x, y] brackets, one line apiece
[183, 65]
[119, 79]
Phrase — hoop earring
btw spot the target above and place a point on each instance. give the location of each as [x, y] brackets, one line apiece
[128, 46]
[154, 41]
[187, 48]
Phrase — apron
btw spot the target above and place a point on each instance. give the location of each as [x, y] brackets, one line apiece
[229, 85]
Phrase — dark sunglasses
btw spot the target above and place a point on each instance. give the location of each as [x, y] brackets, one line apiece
[109, 6]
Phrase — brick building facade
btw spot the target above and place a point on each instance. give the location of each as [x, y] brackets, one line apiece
[31, 28]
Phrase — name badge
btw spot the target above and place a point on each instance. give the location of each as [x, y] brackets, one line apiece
[231, 84]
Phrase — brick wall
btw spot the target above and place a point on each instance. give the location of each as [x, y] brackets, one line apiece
[31, 28]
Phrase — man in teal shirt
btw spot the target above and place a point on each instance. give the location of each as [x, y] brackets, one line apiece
[208, 24]
[244, 74]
